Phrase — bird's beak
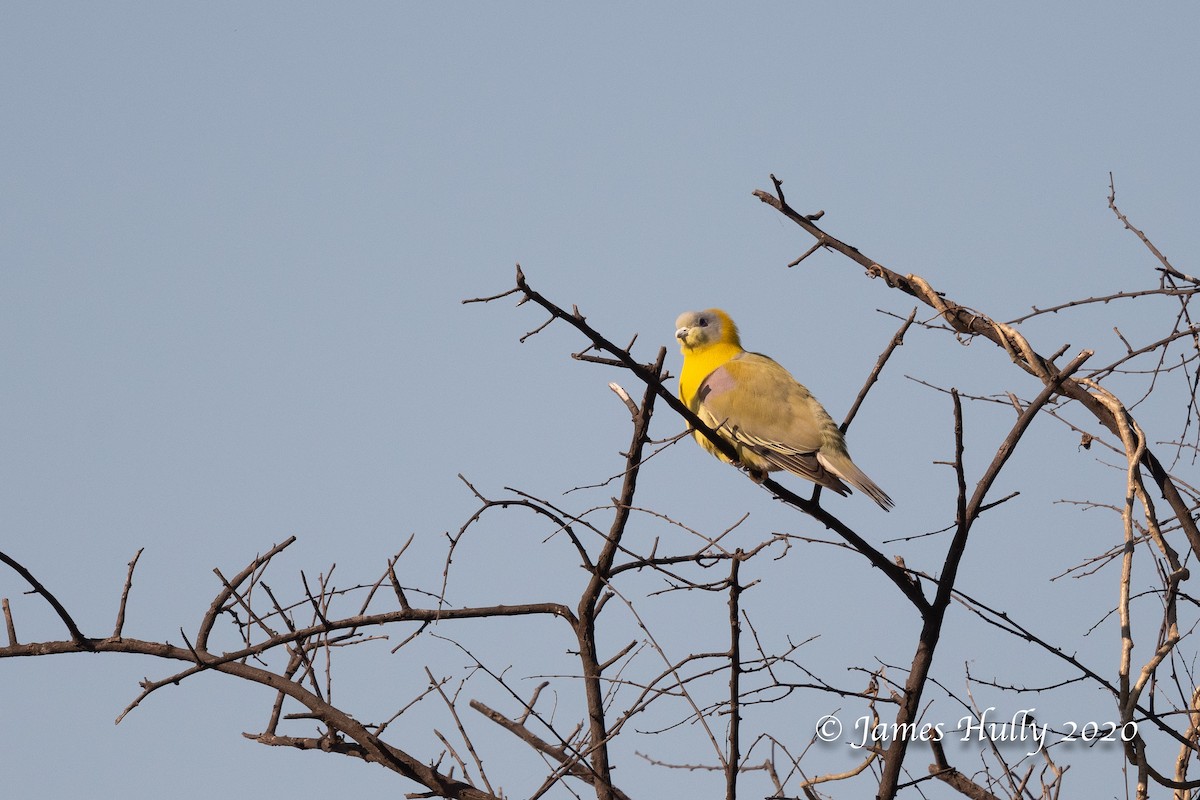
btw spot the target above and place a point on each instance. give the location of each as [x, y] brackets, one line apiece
[681, 334]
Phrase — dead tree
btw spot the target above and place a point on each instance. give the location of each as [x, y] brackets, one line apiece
[625, 684]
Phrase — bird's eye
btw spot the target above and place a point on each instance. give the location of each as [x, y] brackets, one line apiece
[703, 322]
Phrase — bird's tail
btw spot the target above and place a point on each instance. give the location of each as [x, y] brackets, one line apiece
[841, 465]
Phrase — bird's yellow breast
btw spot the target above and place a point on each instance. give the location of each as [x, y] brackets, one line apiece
[698, 364]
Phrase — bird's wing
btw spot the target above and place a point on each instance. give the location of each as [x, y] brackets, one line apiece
[761, 407]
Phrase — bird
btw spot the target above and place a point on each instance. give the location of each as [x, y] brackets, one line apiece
[754, 404]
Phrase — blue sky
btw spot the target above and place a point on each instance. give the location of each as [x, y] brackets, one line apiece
[236, 238]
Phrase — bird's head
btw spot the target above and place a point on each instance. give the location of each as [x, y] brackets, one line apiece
[699, 329]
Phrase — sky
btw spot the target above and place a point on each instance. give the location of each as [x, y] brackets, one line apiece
[235, 242]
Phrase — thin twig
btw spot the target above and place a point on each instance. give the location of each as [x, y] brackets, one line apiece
[210, 616]
[9, 625]
[76, 636]
[125, 594]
